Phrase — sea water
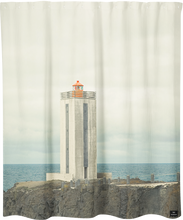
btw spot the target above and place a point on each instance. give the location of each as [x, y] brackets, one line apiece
[13, 173]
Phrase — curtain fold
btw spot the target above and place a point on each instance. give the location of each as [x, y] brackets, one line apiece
[91, 98]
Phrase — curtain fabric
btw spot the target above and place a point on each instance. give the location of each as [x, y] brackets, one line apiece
[91, 109]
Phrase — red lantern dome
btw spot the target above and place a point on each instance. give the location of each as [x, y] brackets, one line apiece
[77, 89]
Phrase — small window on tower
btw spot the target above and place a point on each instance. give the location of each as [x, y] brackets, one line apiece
[85, 173]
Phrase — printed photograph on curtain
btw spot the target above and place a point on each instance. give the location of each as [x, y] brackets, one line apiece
[91, 109]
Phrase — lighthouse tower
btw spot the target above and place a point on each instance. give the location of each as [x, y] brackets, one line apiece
[78, 150]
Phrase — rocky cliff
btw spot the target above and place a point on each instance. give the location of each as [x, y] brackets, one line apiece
[41, 200]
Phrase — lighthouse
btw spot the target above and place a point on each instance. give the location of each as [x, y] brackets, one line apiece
[78, 148]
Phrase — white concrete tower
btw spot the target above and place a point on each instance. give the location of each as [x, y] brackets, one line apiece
[78, 149]
[78, 152]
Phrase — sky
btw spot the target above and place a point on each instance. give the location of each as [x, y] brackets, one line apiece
[131, 60]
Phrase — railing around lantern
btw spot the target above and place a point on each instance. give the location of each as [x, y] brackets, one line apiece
[78, 94]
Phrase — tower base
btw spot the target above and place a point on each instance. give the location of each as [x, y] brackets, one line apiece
[58, 176]
[68, 177]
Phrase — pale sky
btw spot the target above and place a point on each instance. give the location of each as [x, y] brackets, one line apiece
[129, 57]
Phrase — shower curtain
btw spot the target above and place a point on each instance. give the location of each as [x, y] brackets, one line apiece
[91, 109]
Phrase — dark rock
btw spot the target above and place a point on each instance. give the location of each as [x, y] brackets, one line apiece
[41, 200]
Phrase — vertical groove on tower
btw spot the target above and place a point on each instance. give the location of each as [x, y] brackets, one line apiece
[85, 137]
[67, 137]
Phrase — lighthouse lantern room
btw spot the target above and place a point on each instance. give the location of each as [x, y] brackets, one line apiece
[77, 89]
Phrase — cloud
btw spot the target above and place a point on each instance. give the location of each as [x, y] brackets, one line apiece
[134, 74]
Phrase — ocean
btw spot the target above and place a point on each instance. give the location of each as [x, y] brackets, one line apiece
[13, 173]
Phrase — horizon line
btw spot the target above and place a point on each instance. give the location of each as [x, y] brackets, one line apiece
[97, 163]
